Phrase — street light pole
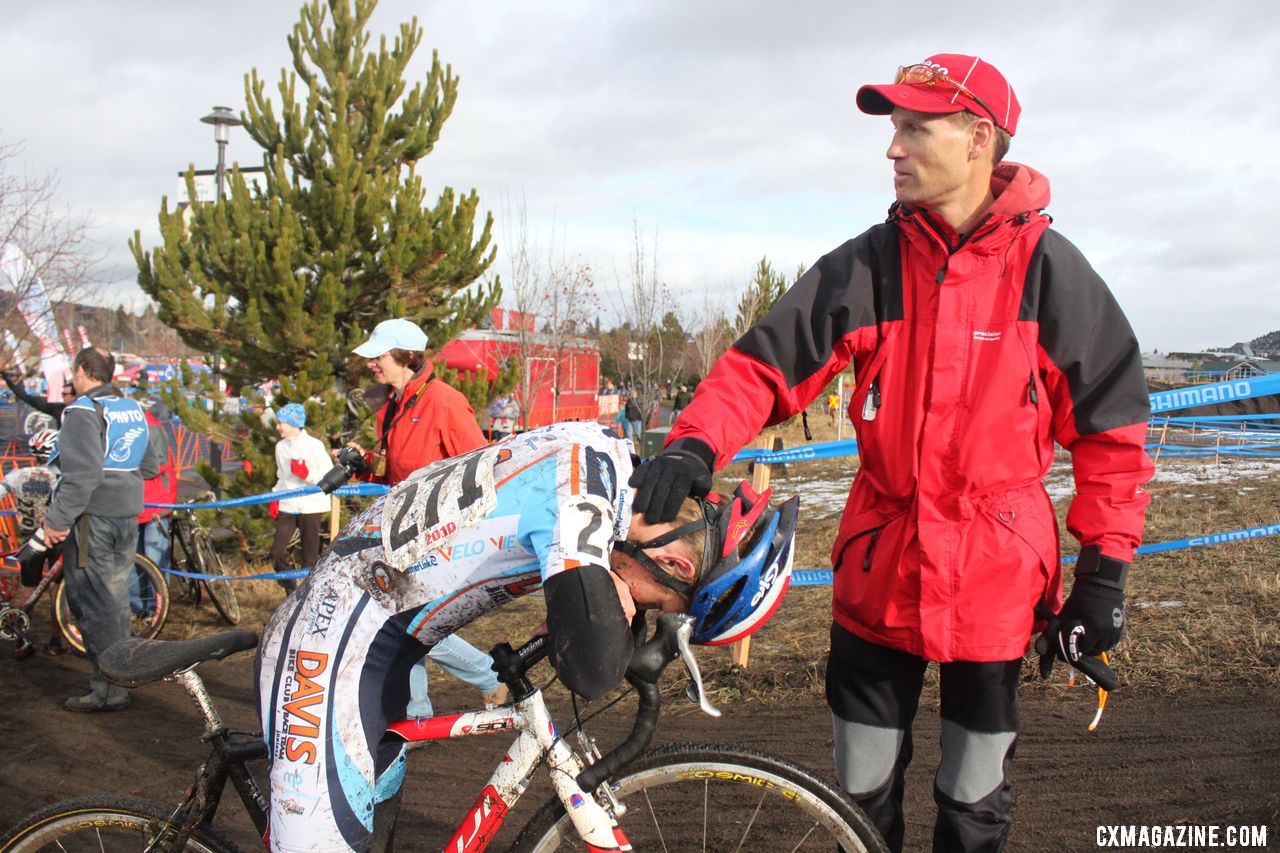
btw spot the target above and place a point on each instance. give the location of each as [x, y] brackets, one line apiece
[222, 120]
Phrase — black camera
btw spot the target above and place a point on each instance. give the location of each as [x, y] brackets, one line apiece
[350, 462]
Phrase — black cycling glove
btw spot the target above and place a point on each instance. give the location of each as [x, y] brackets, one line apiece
[1092, 619]
[663, 482]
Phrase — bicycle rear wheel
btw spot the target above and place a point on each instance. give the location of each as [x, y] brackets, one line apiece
[221, 592]
[145, 626]
[710, 797]
[108, 824]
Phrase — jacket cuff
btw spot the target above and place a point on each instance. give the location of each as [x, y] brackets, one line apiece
[1098, 568]
[696, 447]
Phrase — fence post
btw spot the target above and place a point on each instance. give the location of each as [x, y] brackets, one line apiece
[335, 518]
[740, 652]
[1159, 447]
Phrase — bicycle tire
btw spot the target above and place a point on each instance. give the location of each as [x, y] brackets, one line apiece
[221, 592]
[188, 589]
[718, 797]
[106, 823]
[147, 627]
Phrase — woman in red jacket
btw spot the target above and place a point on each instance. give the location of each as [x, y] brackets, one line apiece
[423, 421]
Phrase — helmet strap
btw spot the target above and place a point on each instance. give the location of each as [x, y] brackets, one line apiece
[635, 551]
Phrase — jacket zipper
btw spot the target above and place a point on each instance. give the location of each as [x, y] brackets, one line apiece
[1033, 397]
[871, 546]
[874, 533]
[922, 222]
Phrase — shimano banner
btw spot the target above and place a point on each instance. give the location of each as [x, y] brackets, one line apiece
[1218, 392]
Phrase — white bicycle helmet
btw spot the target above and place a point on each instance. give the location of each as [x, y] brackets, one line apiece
[746, 565]
[42, 441]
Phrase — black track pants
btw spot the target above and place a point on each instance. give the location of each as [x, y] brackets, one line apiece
[873, 693]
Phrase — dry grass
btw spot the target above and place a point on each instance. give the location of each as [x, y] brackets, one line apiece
[1221, 634]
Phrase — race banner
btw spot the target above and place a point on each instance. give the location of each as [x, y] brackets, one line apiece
[1218, 392]
[33, 305]
[14, 355]
[84, 337]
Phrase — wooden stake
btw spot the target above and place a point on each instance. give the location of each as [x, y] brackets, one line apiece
[1160, 446]
[740, 652]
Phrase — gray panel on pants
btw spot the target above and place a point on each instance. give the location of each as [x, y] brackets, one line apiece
[972, 762]
[865, 755]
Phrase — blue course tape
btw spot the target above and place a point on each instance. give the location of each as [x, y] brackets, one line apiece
[291, 575]
[823, 450]
[817, 577]
[365, 489]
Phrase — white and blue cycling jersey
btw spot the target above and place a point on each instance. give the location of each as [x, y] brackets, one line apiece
[456, 539]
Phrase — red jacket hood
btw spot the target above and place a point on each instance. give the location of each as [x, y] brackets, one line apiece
[1018, 189]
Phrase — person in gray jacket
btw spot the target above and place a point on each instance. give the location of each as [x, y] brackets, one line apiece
[103, 454]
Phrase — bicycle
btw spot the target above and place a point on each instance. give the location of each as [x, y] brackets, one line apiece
[192, 550]
[699, 793]
[15, 620]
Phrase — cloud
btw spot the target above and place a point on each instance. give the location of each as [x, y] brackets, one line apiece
[727, 127]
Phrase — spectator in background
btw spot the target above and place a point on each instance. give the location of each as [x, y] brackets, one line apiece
[682, 399]
[153, 524]
[422, 421]
[104, 454]
[13, 379]
[633, 418]
[301, 460]
[833, 406]
[31, 489]
[504, 414]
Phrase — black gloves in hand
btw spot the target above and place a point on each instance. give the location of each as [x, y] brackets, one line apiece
[1092, 619]
[663, 482]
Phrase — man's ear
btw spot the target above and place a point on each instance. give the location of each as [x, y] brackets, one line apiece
[984, 136]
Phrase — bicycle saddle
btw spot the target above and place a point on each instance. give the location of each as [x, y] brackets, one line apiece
[133, 662]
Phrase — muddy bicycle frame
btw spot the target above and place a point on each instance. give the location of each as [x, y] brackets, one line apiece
[131, 664]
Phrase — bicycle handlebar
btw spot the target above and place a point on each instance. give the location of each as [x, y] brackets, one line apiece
[1094, 668]
[646, 667]
[669, 641]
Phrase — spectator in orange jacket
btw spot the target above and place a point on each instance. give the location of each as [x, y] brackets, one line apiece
[423, 419]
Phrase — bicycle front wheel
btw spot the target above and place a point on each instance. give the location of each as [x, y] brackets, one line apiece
[108, 824]
[145, 625]
[705, 797]
[221, 592]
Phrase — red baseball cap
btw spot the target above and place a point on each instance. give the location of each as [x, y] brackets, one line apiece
[946, 83]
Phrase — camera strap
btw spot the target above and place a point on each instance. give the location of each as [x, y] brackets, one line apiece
[395, 412]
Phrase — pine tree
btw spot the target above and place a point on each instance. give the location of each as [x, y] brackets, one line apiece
[284, 279]
[764, 290]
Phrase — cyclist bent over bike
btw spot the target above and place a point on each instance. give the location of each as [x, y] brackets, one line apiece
[548, 509]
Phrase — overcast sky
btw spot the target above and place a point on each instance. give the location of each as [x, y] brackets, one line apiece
[726, 130]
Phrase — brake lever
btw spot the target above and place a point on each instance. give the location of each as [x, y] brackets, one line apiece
[694, 690]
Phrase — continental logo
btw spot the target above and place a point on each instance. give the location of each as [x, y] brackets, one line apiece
[305, 706]
[742, 778]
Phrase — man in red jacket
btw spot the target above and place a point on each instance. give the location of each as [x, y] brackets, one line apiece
[979, 337]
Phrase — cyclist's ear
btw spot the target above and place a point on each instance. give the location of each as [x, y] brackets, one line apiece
[676, 562]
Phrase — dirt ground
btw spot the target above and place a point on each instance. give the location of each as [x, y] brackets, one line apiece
[1195, 757]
